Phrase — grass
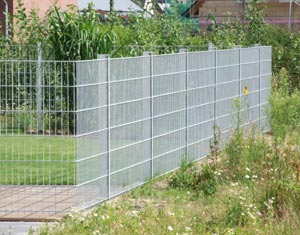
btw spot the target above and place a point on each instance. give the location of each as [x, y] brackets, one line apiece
[259, 194]
[37, 160]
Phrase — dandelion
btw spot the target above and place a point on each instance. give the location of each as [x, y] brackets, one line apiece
[170, 228]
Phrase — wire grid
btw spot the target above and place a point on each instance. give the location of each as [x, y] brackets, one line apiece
[139, 117]
[37, 138]
[73, 134]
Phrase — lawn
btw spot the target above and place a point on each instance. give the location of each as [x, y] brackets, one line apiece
[37, 160]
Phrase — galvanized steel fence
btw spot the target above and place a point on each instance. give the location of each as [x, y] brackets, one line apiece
[73, 134]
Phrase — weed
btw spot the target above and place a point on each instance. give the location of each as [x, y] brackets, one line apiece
[214, 144]
[235, 214]
[185, 177]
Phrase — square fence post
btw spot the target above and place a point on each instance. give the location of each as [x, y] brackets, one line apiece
[39, 74]
[107, 58]
[185, 51]
[212, 48]
[238, 47]
[259, 87]
[148, 54]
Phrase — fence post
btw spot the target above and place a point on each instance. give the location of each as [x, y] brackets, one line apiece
[212, 48]
[149, 55]
[39, 74]
[106, 57]
[259, 87]
[186, 103]
[240, 75]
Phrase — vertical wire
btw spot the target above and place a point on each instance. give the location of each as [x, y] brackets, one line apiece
[259, 89]
[108, 125]
[151, 113]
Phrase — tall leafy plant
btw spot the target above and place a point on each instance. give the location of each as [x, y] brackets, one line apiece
[255, 15]
[76, 36]
[72, 35]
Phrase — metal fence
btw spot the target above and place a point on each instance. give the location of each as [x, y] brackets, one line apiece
[73, 134]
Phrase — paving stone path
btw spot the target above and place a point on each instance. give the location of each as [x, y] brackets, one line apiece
[17, 228]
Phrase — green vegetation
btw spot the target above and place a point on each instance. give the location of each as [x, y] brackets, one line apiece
[259, 194]
[37, 160]
[252, 187]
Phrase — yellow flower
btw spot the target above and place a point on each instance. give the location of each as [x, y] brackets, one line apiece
[246, 91]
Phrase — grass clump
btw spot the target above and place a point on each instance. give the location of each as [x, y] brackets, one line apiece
[189, 177]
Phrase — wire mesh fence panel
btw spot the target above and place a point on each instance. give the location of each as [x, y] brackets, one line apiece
[92, 132]
[169, 81]
[129, 123]
[201, 102]
[37, 128]
[265, 85]
[73, 134]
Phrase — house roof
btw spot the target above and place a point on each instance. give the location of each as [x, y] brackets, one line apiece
[196, 4]
[119, 5]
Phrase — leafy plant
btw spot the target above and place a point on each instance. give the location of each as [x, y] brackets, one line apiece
[255, 29]
[284, 108]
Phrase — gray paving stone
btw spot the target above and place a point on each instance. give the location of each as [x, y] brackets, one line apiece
[17, 228]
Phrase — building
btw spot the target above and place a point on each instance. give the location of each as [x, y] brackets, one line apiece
[278, 11]
[121, 7]
[42, 6]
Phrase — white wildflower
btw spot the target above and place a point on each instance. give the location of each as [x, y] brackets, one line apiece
[134, 213]
[247, 176]
[247, 169]
[270, 201]
[104, 217]
[170, 213]
[188, 228]
[170, 228]
[251, 215]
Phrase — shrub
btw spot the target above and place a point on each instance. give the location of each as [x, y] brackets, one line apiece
[191, 178]
[284, 109]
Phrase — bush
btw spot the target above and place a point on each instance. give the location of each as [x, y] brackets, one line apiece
[284, 109]
[189, 177]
